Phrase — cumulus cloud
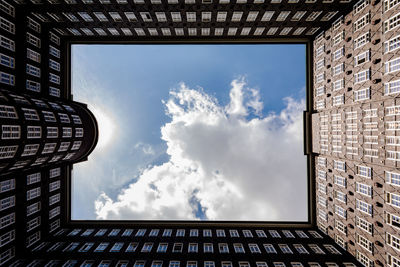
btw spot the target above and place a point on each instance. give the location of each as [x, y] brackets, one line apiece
[226, 162]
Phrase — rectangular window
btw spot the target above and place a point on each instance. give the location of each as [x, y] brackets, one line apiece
[7, 185]
[364, 225]
[7, 152]
[393, 241]
[362, 94]
[7, 202]
[392, 178]
[392, 65]
[33, 193]
[7, 78]
[362, 76]
[392, 45]
[361, 40]
[33, 40]
[364, 207]
[338, 54]
[7, 61]
[362, 58]
[364, 189]
[7, 43]
[391, 23]
[336, 70]
[10, 132]
[362, 22]
[32, 86]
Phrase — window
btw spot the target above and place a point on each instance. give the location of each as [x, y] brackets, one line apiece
[86, 247]
[332, 250]
[7, 185]
[7, 220]
[10, 132]
[114, 232]
[131, 247]
[274, 234]
[127, 232]
[7, 43]
[117, 247]
[177, 247]
[7, 61]
[174, 263]
[392, 178]
[238, 248]
[67, 132]
[340, 211]
[223, 248]
[194, 232]
[269, 248]
[285, 249]
[261, 233]
[300, 249]
[31, 209]
[7, 151]
[32, 86]
[362, 40]
[52, 132]
[167, 232]
[362, 76]
[362, 22]
[207, 233]
[78, 132]
[30, 114]
[364, 207]
[147, 247]
[101, 247]
[364, 225]
[139, 264]
[8, 112]
[341, 227]
[338, 54]
[364, 189]
[54, 186]
[364, 171]
[287, 234]
[362, 94]
[54, 199]
[316, 249]
[54, 51]
[32, 70]
[338, 38]
[34, 25]
[392, 44]
[209, 264]
[33, 193]
[234, 233]
[54, 65]
[193, 247]
[226, 264]
[208, 248]
[391, 23]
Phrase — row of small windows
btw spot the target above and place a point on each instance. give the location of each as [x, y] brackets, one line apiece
[34, 132]
[195, 233]
[32, 114]
[205, 16]
[160, 263]
[231, 31]
[187, 1]
[39, 103]
[191, 248]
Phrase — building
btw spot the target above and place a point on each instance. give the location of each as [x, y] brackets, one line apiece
[351, 134]
[355, 132]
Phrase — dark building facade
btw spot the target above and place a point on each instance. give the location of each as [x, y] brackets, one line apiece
[35, 224]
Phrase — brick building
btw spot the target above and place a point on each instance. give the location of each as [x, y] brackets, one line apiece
[350, 133]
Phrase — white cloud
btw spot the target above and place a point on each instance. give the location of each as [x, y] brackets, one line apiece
[236, 168]
[145, 148]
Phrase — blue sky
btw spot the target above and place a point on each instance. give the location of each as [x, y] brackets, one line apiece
[155, 104]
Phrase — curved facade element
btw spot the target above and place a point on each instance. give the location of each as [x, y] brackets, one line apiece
[36, 132]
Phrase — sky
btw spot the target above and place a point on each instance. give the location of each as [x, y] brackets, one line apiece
[192, 132]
